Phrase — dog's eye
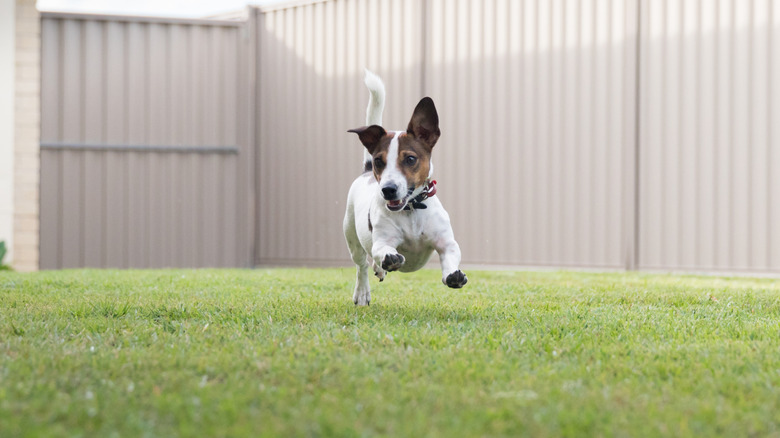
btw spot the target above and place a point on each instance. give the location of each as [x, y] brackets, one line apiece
[410, 160]
[378, 163]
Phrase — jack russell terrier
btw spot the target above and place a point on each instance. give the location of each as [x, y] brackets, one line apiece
[392, 213]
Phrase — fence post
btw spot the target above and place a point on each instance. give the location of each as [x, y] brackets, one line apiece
[255, 32]
[630, 197]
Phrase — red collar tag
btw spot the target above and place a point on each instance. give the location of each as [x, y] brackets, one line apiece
[431, 189]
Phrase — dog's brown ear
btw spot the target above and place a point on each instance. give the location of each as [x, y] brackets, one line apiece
[370, 136]
[424, 125]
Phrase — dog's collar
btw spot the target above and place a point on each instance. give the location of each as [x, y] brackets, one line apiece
[417, 202]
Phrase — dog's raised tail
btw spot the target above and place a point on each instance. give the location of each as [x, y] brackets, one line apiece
[376, 99]
[376, 105]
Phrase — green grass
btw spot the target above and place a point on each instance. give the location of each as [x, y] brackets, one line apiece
[286, 353]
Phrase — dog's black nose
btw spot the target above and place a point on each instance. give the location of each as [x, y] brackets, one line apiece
[390, 192]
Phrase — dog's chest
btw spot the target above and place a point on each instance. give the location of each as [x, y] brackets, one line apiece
[416, 246]
[414, 238]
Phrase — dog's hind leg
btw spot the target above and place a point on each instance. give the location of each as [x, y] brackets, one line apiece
[362, 296]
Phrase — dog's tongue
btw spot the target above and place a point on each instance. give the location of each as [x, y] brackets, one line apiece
[394, 203]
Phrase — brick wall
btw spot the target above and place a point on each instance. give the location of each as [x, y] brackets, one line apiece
[27, 136]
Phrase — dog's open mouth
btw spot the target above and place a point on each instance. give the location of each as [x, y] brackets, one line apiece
[398, 204]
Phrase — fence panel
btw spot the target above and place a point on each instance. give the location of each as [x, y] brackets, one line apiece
[537, 117]
[142, 143]
[310, 92]
[535, 102]
[709, 159]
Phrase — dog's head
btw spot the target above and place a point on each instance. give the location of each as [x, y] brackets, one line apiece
[402, 160]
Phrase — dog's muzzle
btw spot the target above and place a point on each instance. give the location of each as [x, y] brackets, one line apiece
[392, 203]
[390, 192]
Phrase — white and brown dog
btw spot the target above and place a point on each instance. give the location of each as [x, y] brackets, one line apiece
[392, 215]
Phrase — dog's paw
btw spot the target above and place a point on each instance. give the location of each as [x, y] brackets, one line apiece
[362, 296]
[456, 280]
[392, 262]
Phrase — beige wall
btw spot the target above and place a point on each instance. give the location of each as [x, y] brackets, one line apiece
[26, 136]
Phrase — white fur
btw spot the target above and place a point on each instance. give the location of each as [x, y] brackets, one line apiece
[392, 175]
[414, 234]
[376, 98]
[376, 103]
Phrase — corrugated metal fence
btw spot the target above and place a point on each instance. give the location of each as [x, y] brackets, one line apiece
[710, 159]
[145, 153]
[583, 133]
[311, 91]
[536, 102]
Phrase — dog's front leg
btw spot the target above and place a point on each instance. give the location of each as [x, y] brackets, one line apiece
[386, 255]
[449, 254]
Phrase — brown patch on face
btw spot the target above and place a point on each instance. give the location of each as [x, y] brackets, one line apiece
[379, 154]
[414, 159]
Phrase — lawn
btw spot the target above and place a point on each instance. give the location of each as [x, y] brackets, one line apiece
[286, 353]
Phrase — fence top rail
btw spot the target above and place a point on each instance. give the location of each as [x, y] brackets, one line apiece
[141, 19]
[288, 4]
